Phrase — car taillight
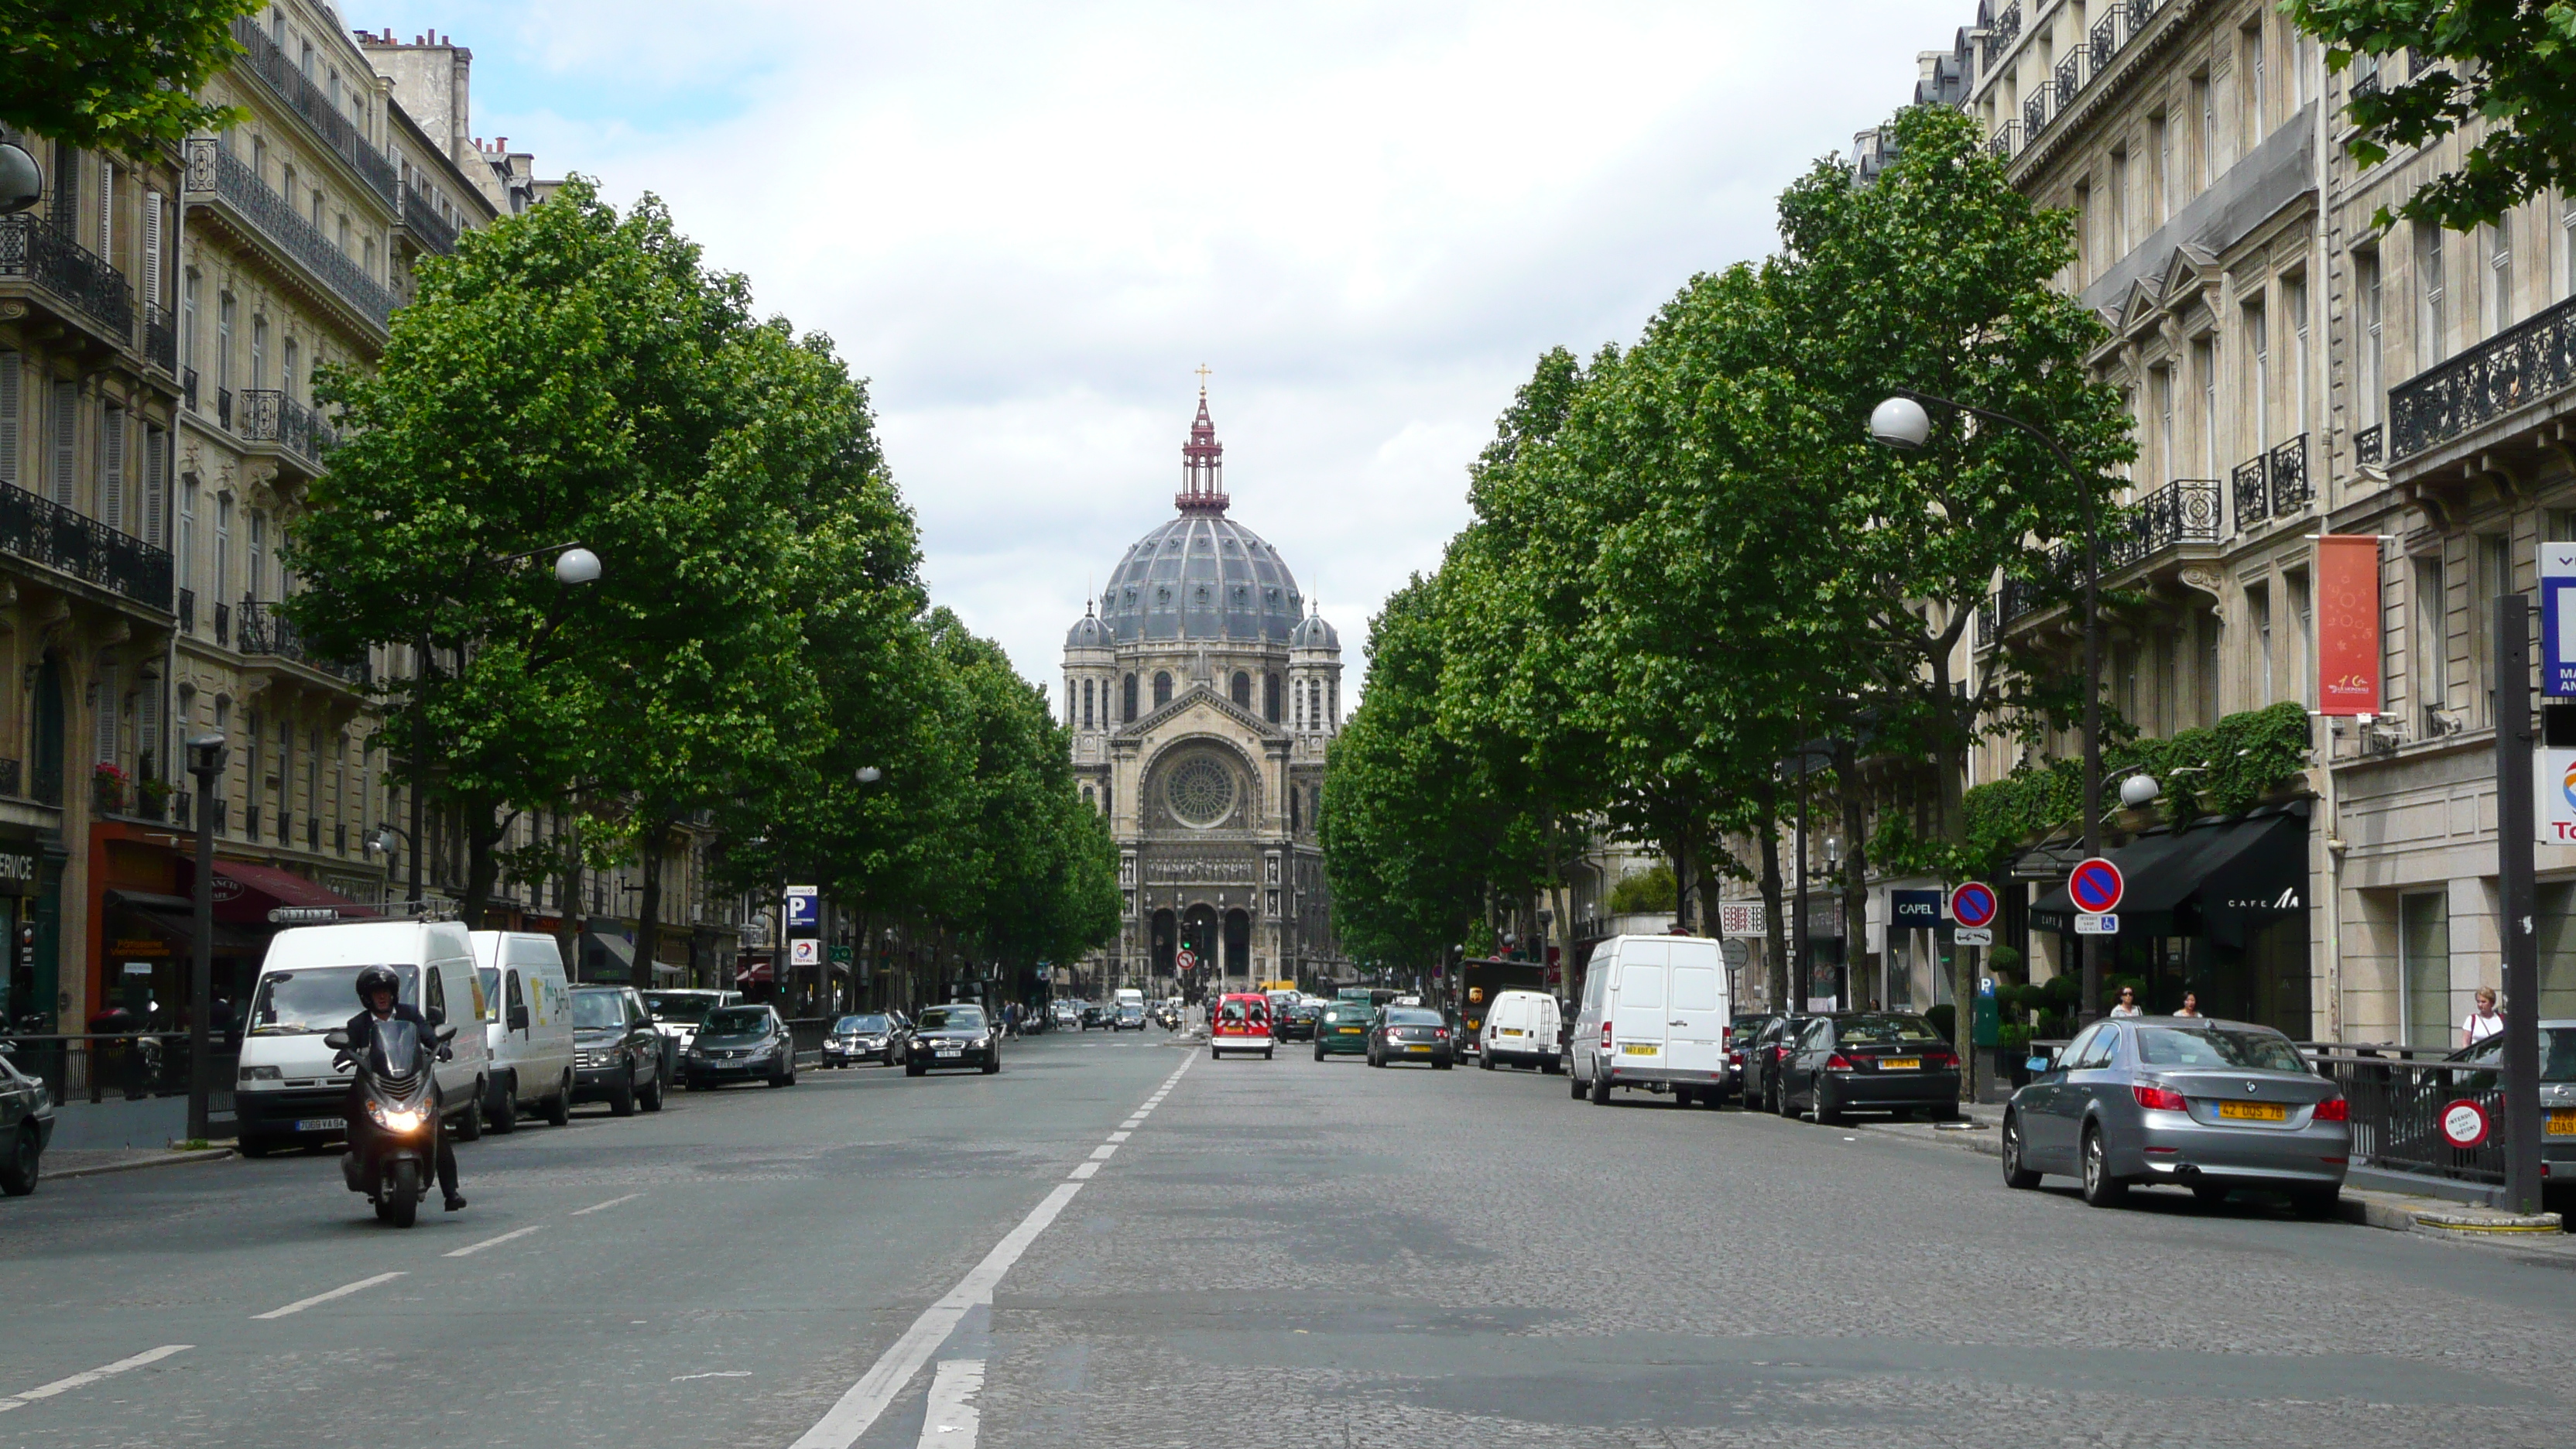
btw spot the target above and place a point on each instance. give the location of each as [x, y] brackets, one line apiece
[2158, 1099]
[1442, 1034]
[1838, 1063]
[1736, 1058]
[2334, 1109]
[1605, 1036]
[1940, 1059]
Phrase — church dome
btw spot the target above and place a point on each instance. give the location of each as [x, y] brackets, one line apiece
[1202, 575]
[1088, 633]
[1313, 633]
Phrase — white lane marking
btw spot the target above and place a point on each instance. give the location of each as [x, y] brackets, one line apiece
[951, 1422]
[343, 1291]
[718, 1374]
[470, 1249]
[847, 1419]
[24, 1397]
[1132, 1123]
[1120, 1136]
[1104, 1152]
[601, 1207]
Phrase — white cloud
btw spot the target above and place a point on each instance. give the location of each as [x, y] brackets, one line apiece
[1028, 223]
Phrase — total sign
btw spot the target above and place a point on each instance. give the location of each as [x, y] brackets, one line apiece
[2553, 779]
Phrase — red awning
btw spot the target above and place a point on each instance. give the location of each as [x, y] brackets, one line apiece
[245, 892]
[751, 972]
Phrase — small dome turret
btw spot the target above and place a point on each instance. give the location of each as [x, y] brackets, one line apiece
[1088, 632]
[1313, 633]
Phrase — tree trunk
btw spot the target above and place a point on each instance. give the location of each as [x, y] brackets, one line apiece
[648, 914]
[1951, 760]
[1775, 935]
[568, 883]
[484, 827]
[1855, 875]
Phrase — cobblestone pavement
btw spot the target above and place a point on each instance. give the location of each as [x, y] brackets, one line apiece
[1304, 1253]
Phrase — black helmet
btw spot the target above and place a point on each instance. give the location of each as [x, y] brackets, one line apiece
[375, 979]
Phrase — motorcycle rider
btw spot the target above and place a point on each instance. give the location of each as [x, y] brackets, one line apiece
[379, 991]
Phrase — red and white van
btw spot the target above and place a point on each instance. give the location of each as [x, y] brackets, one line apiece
[1240, 1023]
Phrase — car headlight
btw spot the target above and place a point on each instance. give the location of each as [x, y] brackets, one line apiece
[261, 1074]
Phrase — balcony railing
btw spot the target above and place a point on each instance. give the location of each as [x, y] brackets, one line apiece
[224, 624]
[2511, 370]
[250, 820]
[2077, 70]
[33, 248]
[2183, 511]
[2291, 490]
[262, 58]
[42, 531]
[2005, 30]
[2369, 445]
[160, 337]
[213, 170]
[2253, 490]
[270, 416]
[420, 217]
[187, 611]
[224, 406]
[2006, 140]
[188, 387]
[265, 631]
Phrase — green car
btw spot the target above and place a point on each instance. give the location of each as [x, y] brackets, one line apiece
[1343, 1028]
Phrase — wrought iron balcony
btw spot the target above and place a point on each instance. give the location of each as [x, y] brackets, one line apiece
[44, 532]
[2253, 490]
[2006, 29]
[188, 387]
[2070, 79]
[160, 338]
[33, 248]
[2369, 445]
[2291, 490]
[2005, 141]
[2507, 372]
[270, 416]
[187, 611]
[224, 624]
[265, 631]
[213, 171]
[224, 406]
[2185, 510]
[262, 58]
[421, 219]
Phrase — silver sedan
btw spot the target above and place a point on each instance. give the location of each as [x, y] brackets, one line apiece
[2209, 1105]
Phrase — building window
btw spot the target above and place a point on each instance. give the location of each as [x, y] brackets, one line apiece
[1242, 689]
[187, 550]
[2429, 615]
[111, 467]
[1270, 698]
[66, 421]
[2374, 391]
[13, 382]
[258, 353]
[2294, 301]
[2424, 957]
[2258, 612]
[188, 324]
[2500, 275]
[2258, 341]
[2302, 642]
[2160, 391]
[1162, 689]
[2204, 361]
[1086, 703]
[224, 308]
[2429, 294]
[2491, 575]
[1128, 690]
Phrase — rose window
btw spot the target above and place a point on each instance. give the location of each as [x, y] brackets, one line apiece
[1200, 792]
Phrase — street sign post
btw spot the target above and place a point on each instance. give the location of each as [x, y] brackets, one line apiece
[1971, 936]
[2096, 887]
[2101, 923]
[804, 907]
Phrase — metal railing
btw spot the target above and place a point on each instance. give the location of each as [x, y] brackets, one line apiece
[187, 611]
[2289, 468]
[2073, 73]
[2005, 30]
[265, 631]
[262, 58]
[224, 407]
[214, 171]
[2005, 141]
[160, 337]
[2183, 511]
[2518, 366]
[420, 217]
[2397, 1095]
[131, 1066]
[188, 387]
[33, 248]
[270, 416]
[223, 623]
[44, 532]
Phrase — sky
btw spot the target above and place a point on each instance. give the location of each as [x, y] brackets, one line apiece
[1028, 225]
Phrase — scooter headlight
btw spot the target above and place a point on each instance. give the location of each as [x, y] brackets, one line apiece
[399, 1119]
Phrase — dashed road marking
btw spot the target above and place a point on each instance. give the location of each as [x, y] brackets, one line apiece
[601, 1207]
[343, 1291]
[24, 1397]
[470, 1249]
[951, 1421]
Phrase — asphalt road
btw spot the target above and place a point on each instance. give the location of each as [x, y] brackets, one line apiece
[1285, 1252]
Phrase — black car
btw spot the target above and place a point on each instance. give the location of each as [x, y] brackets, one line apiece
[26, 1125]
[740, 1044]
[1296, 1022]
[1095, 1014]
[1412, 1034]
[1762, 1060]
[1740, 1034]
[617, 1051]
[1868, 1061]
[960, 1035]
[864, 1037]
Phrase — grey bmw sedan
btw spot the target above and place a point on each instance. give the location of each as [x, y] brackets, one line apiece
[2208, 1105]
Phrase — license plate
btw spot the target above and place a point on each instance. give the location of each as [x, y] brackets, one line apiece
[1901, 1064]
[1509, 1031]
[1417, 1048]
[2562, 1124]
[1348, 1030]
[949, 1051]
[322, 1124]
[2254, 1111]
[1639, 1049]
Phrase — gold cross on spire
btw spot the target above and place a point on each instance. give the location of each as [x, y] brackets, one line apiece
[1203, 377]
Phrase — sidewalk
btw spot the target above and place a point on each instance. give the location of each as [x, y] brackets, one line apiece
[98, 1161]
[1980, 1131]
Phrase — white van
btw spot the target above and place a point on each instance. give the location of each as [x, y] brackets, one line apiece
[528, 1025]
[1654, 1016]
[1520, 1030]
[286, 1092]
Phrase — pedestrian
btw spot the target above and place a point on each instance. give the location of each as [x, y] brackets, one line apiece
[2190, 1005]
[2483, 1022]
[2128, 1004]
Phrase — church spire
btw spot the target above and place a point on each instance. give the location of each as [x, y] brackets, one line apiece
[1202, 462]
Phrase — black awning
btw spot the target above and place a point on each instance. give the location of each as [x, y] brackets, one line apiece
[2212, 877]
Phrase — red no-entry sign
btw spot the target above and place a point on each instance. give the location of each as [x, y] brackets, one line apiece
[2096, 887]
[1973, 905]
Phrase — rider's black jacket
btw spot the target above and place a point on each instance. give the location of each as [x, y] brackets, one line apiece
[362, 1027]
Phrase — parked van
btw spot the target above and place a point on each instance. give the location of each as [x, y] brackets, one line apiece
[286, 1092]
[1654, 1016]
[528, 1026]
[1520, 1030]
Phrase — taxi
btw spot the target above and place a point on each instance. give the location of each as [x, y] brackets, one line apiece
[1241, 1023]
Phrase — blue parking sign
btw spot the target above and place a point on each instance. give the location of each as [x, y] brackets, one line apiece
[2558, 620]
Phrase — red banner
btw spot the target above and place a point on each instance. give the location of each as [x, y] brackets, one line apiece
[2348, 624]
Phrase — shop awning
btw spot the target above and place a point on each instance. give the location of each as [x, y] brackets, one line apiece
[174, 919]
[2220, 878]
[752, 972]
[607, 958]
[246, 893]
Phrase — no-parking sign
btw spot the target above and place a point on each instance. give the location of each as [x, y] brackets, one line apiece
[1973, 905]
[2096, 887]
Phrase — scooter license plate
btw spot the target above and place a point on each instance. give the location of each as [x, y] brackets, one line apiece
[322, 1124]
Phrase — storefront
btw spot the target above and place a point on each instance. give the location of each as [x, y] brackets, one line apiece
[27, 986]
[2218, 909]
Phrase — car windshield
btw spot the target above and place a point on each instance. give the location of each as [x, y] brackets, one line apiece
[1342, 1016]
[735, 1020]
[678, 1006]
[1885, 1031]
[953, 1018]
[860, 1025]
[317, 998]
[2218, 1046]
[1414, 1016]
[596, 1009]
[2557, 1053]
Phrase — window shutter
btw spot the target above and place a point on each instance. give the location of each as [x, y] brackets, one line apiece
[103, 746]
[152, 246]
[147, 727]
[66, 440]
[12, 379]
[107, 211]
[111, 467]
[156, 483]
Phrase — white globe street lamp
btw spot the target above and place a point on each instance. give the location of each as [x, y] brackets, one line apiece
[576, 565]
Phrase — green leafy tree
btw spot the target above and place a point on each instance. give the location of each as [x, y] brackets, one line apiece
[2506, 68]
[121, 75]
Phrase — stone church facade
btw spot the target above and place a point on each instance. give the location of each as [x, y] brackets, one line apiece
[1202, 692]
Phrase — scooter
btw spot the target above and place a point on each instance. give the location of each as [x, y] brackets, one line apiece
[398, 1090]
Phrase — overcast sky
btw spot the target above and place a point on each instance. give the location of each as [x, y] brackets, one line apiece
[1028, 225]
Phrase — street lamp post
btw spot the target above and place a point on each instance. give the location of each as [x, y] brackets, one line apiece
[207, 756]
[1901, 423]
